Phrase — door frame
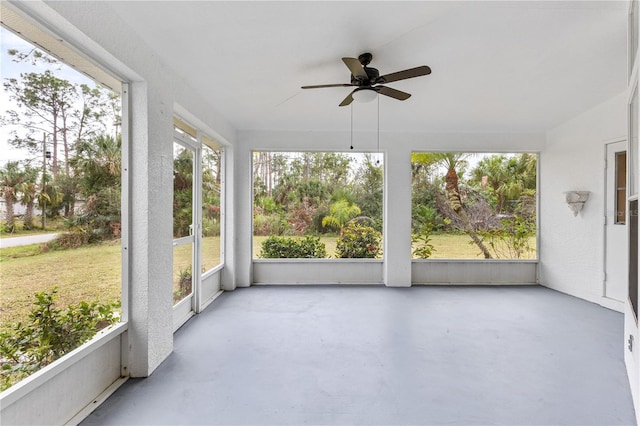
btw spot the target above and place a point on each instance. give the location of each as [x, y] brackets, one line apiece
[187, 307]
[605, 301]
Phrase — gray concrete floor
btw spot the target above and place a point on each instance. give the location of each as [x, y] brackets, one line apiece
[375, 355]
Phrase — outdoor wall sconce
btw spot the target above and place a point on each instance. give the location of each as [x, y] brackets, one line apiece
[576, 200]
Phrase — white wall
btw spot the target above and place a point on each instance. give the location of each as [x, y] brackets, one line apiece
[571, 248]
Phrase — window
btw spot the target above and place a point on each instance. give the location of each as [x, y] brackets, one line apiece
[633, 144]
[473, 205]
[621, 187]
[211, 204]
[63, 164]
[317, 204]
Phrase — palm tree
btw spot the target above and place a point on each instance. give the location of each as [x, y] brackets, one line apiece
[97, 167]
[454, 161]
[341, 212]
[27, 190]
[509, 177]
[10, 178]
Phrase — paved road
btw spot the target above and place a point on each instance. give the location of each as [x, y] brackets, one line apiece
[29, 239]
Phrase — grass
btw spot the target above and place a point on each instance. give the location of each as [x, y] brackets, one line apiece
[460, 246]
[53, 225]
[93, 272]
[87, 273]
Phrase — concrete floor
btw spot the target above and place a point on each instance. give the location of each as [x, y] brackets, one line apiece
[375, 355]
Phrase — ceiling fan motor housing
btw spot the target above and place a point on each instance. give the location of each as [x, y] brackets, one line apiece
[372, 76]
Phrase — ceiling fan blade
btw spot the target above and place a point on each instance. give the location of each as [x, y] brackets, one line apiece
[347, 100]
[403, 75]
[355, 67]
[396, 94]
[319, 86]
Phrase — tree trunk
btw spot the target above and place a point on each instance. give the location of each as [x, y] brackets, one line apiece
[452, 191]
[9, 200]
[28, 216]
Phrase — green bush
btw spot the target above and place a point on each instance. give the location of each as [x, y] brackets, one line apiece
[49, 334]
[273, 224]
[358, 241]
[511, 239]
[422, 243]
[74, 238]
[210, 227]
[308, 247]
[184, 284]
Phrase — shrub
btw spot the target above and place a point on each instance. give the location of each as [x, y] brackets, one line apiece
[49, 334]
[273, 224]
[358, 241]
[210, 227]
[422, 242]
[74, 238]
[511, 239]
[308, 247]
[184, 284]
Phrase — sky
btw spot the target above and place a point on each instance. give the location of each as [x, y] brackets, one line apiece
[11, 69]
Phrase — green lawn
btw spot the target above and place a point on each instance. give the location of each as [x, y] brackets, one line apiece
[93, 273]
[53, 225]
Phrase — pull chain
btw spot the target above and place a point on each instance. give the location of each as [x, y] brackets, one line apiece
[378, 159]
[351, 107]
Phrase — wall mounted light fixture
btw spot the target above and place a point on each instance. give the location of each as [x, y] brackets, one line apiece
[576, 200]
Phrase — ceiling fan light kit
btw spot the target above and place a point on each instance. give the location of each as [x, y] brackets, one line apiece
[368, 81]
[364, 95]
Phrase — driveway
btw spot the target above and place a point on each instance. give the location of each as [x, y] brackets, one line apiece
[26, 240]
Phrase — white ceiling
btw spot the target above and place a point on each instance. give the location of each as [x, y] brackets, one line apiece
[498, 66]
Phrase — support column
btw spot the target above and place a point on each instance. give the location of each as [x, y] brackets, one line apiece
[243, 220]
[397, 218]
[150, 310]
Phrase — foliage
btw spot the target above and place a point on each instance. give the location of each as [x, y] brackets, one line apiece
[422, 243]
[309, 247]
[273, 224]
[74, 238]
[358, 241]
[49, 334]
[182, 193]
[185, 283]
[506, 178]
[10, 177]
[369, 190]
[300, 217]
[511, 239]
[67, 120]
[341, 212]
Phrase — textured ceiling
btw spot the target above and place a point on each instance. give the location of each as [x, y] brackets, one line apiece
[497, 66]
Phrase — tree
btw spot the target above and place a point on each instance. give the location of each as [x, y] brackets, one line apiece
[182, 192]
[28, 191]
[66, 113]
[98, 165]
[341, 212]
[46, 100]
[10, 178]
[508, 177]
[368, 186]
[452, 162]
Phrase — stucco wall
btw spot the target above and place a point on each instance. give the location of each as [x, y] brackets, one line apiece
[571, 248]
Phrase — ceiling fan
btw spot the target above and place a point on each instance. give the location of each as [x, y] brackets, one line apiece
[367, 80]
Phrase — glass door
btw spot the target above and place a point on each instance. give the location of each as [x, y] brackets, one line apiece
[185, 151]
